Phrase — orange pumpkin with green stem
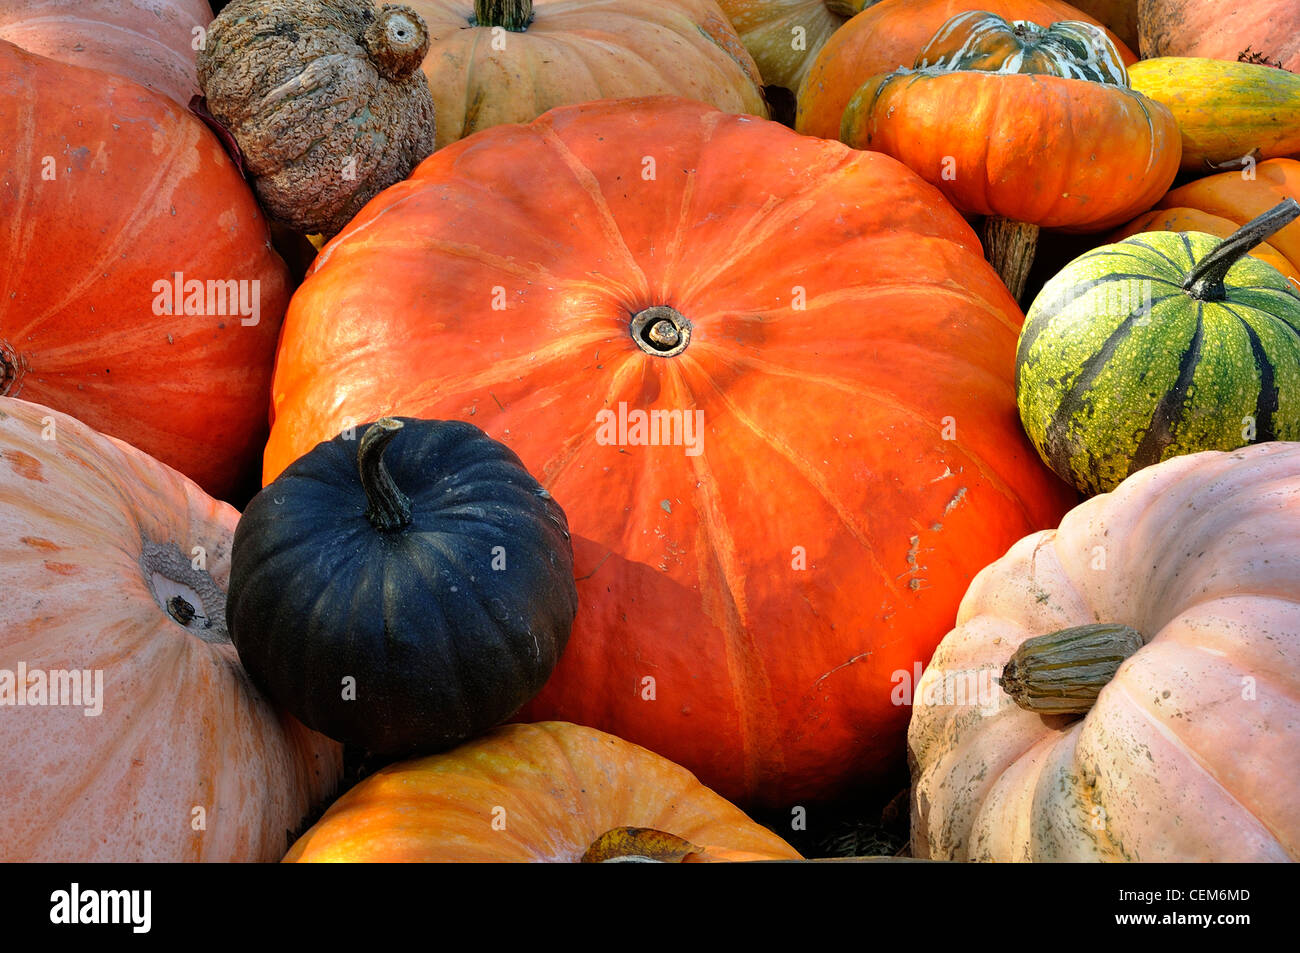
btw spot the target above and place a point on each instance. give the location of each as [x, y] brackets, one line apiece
[1094, 155]
[888, 35]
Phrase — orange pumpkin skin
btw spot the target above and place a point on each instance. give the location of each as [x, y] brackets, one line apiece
[890, 34]
[149, 41]
[765, 590]
[576, 51]
[1221, 31]
[1114, 152]
[1181, 758]
[1234, 197]
[83, 519]
[528, 793]
[141, 190]
[1180, 219]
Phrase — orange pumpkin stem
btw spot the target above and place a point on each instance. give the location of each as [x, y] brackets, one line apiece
[1009, 246]
[514, 15]
[1205, 282]
[389, 508]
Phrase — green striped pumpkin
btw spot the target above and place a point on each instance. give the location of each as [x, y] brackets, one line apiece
[1163, 344]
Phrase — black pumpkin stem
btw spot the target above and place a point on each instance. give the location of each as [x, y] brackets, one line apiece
[1205, 282]
[390, 508]
[514, 15]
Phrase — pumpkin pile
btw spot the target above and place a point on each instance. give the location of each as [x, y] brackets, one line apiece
[473, 430]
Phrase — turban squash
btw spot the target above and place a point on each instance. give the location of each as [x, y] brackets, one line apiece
[833, 451]
[142, 294]
[889, 35]
[1188, 752]
[111, 562]
[549, 792]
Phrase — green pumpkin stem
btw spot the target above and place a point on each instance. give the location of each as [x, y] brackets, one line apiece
[1205, 282]
[390, 508]
[514, 15]
[1063, 672]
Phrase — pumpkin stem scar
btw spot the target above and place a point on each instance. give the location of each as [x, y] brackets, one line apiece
[389, 508]
[1205, 281]
[189, 596]
[661, 331]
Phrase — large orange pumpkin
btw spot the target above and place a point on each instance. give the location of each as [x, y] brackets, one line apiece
[890, 34]
[150, 41]
[1188, 752]
[116, 566]
[111, 198]
[498, 61]
[818, 317]
[535, 793]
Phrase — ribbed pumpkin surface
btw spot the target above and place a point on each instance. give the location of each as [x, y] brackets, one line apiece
[526, 793]
[770, 580]
[1107, 387]
[185, 760]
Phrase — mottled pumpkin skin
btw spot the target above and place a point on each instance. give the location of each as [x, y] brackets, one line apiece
[1221, 31]
[141, 191]
[149, 41]
[1225, 111]
[1188, 754]
[538, 793]
[764, 589]
[1118, 368]
[889, 35]
[445, 626]
[95, 538]
[576, 51]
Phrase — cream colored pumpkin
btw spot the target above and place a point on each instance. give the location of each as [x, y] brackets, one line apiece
[785, 36]
[184, 759]
[1189, 753]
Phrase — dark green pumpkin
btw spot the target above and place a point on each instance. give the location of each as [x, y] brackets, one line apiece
[413, 612]
[1163, 344]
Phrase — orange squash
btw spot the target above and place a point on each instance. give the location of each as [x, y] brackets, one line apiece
[550, 792]
[1190, 572]
[113, 569]
[825, 327]
[1266, 31]
[142, 294]
[890, 34]
[1179, 219]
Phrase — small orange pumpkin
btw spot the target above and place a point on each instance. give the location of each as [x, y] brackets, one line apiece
[549, 792]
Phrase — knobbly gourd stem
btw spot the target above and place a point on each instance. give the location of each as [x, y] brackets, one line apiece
[1063, 672]
[1009, 246]
[397, 41]
[390, 508]
[514, 15]
[1205, 282]
[661, 331]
